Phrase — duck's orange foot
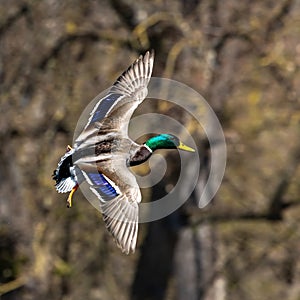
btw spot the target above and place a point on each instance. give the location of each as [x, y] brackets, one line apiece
[69, 200]
[69, 148]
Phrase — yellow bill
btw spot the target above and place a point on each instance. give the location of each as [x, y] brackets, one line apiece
[184, 147]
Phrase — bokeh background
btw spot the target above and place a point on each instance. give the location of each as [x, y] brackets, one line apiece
[244, 57]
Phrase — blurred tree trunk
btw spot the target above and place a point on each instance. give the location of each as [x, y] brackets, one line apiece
[155, 265]
[197, 258]
[196, 263]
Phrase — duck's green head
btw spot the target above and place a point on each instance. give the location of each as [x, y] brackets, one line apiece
[167, 141]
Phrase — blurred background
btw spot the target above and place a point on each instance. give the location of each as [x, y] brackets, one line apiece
[243, 57]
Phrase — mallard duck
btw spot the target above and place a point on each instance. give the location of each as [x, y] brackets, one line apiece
[103, 153]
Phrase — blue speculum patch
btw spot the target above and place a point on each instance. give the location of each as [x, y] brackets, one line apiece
[104, 107]
[102, 186]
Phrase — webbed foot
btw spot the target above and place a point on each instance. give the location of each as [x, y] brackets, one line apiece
[69, 200]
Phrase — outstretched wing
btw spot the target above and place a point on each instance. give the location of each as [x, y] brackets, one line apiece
[133, 85]
[118, 204]
[106, 172]
[114, 110]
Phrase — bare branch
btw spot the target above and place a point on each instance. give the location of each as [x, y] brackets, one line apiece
[85, 36]
[23, 10]
[12, 285]
[276, 21]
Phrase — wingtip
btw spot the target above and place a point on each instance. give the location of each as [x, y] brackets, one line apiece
[152, 53]
[136, 77]
[148, 56]
[120, 216]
